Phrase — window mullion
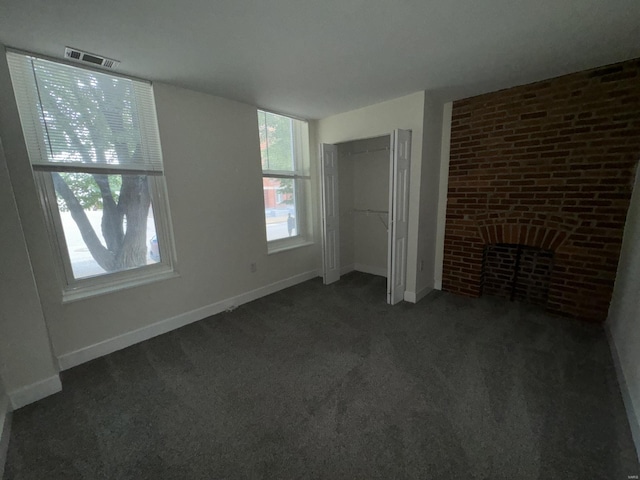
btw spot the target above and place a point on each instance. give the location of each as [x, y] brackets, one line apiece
[271, 174]
[79, 167]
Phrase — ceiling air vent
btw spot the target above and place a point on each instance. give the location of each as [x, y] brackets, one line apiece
[80, 56]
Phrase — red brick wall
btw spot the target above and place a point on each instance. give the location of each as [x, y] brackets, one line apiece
[548, 165]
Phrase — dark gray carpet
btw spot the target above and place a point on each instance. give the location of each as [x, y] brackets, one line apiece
[329, 382]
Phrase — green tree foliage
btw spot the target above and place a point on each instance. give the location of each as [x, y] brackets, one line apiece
[86, 190]
[286, 190]
[276, 140]
[92, 118]
[276, 149]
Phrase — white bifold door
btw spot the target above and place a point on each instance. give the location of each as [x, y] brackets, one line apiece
[330, 214]
[398, 215]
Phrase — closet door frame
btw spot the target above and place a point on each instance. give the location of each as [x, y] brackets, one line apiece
[330, 213]
[398, 231]
[400, 156]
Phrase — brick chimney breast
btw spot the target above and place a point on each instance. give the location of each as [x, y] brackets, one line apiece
[548, 166]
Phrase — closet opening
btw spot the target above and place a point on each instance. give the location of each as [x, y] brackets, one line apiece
[363, 190]
[365, 209]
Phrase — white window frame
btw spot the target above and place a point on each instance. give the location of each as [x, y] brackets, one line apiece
[79, 288]
[301, 185]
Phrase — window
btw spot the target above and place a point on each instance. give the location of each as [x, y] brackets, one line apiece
[285, 178]
[94, 147]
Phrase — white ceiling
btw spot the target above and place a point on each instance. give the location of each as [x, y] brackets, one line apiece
[314, 58]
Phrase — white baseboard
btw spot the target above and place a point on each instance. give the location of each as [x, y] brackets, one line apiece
[409, 296]
[359, 267]
[423, 292]
[632, 416]
[415, 297]
[34, 392]
[346, 269]
[77, 357]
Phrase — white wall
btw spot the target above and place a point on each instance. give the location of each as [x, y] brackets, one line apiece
[345, 206]
[381, 119]
[363, 179]
[27, 368]
[212, 164]
[433, 193]
[624, 315]
[445, 150]
[371, 192]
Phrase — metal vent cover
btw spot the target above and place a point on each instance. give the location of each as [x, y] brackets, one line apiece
[86, 57]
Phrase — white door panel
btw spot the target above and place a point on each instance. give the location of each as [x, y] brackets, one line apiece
[398, 215]
[330, 214]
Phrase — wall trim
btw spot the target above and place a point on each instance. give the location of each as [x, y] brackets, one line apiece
[359, 267]
[35, 391]
[632, 417]
[5, 431]
[347, 269]
[91, 352]
[409, 296]
[415, 297]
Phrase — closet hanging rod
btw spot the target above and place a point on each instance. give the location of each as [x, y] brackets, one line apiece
[385, 149]
[372, 212]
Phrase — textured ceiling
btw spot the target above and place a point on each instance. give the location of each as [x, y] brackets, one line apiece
[315, 58]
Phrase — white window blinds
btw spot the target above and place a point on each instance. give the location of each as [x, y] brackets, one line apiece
[84, 120]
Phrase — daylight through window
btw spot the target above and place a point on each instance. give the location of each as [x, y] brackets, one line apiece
[94, 147]
[283, 142]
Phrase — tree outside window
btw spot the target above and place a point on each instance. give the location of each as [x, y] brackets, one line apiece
[281, 174]
[92, 141]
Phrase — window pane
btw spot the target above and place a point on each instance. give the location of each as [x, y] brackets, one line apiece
[276, 141]
[107, 222]
[262, 132]
[88, 116]
[280, 208]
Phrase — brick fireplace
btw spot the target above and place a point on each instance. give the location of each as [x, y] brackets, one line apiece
[517, 272]
[547, 166]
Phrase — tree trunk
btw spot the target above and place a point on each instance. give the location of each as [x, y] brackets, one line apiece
[112, 225]
[104, 257]
[134, 200]
[90, 110]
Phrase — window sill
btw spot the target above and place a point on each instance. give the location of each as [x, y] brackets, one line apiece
[277, 246]
[82, 292]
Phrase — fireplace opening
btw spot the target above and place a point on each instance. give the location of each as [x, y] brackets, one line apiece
[517, 272]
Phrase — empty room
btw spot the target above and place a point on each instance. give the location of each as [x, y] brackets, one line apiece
[324, 240]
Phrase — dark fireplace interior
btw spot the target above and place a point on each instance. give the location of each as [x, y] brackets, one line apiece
[517, 272]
